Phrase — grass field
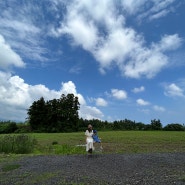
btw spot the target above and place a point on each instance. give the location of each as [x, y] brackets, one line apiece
[120, 141]
[112, 142]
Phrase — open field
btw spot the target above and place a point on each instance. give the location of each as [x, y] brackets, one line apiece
[121, 141]
[112, 141]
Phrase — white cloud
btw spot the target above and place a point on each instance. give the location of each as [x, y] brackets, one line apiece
[159, 14]
[8, 57]
[17, 96]
[132, 6]
[101, 102]
[84, 32]
[169, 42]
[115, 47]
[119, 94]
[142, 102]
[106, 36]
[138, 89]
[173, 90]
[87, 112]
[158, 108]
[156, 9]
[23, 31]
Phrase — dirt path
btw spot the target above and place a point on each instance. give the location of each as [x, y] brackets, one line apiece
[126, 169]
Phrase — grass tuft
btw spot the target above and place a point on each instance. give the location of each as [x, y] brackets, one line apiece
[18, 144]
[10, 167]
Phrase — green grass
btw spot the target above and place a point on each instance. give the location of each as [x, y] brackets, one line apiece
[115, 141]
[112, 142]
[10, 167]
[18, 144]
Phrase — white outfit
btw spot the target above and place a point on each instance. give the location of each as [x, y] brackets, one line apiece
[89, 140]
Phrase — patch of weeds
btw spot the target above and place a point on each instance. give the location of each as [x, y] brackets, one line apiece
[10, 167]
[54, 143]
[68, 150]
[42, 178]
[17, 144]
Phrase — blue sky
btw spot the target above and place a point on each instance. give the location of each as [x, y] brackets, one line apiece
[123, 58]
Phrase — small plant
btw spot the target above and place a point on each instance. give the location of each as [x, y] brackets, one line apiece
[18, 144]
[54, 143]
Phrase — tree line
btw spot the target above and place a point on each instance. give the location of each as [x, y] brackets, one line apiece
[61, 115]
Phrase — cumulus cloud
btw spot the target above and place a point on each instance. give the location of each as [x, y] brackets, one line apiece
[8, 57]
[16, 96]
[142, 102]
[88, 112]
[173, 90]
[101, 102]
[138, 89]
[107, 38]
[170, 42]
[119, 94]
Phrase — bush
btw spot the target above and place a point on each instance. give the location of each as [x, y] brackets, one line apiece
[21, 128]
[7, 127]
[18, 144]
[174, 127]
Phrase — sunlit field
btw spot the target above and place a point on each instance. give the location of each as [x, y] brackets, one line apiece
[119, 141]
[112, 142]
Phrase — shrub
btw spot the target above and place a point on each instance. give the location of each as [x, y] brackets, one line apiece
[54, 143]
[21, 128]
[18, 144]
[7, 127]
[174, 127]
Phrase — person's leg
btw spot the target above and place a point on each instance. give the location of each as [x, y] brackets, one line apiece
[91, 147]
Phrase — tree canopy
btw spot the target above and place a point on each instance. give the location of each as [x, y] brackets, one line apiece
[57, 115]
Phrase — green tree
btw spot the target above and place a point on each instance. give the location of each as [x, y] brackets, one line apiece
[174, 127]
[156, 124]
[38, 115]
[57, 115]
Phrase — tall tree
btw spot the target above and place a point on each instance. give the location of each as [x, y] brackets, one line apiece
[156, 124]
[37, 115]
[57, 115]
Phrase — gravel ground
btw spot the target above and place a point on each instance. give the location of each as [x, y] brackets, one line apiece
[140, 169]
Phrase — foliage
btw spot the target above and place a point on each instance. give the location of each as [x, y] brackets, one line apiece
[19, 144]
[156, 124]
[57, 115]
[7, 127]
[174, 127]
[22, 128]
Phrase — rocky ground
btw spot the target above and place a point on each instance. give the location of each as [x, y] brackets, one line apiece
[126, 169]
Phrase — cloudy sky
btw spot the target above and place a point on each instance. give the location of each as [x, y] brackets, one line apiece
[122, 58]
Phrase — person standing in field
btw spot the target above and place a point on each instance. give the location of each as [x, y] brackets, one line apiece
[89, 139]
